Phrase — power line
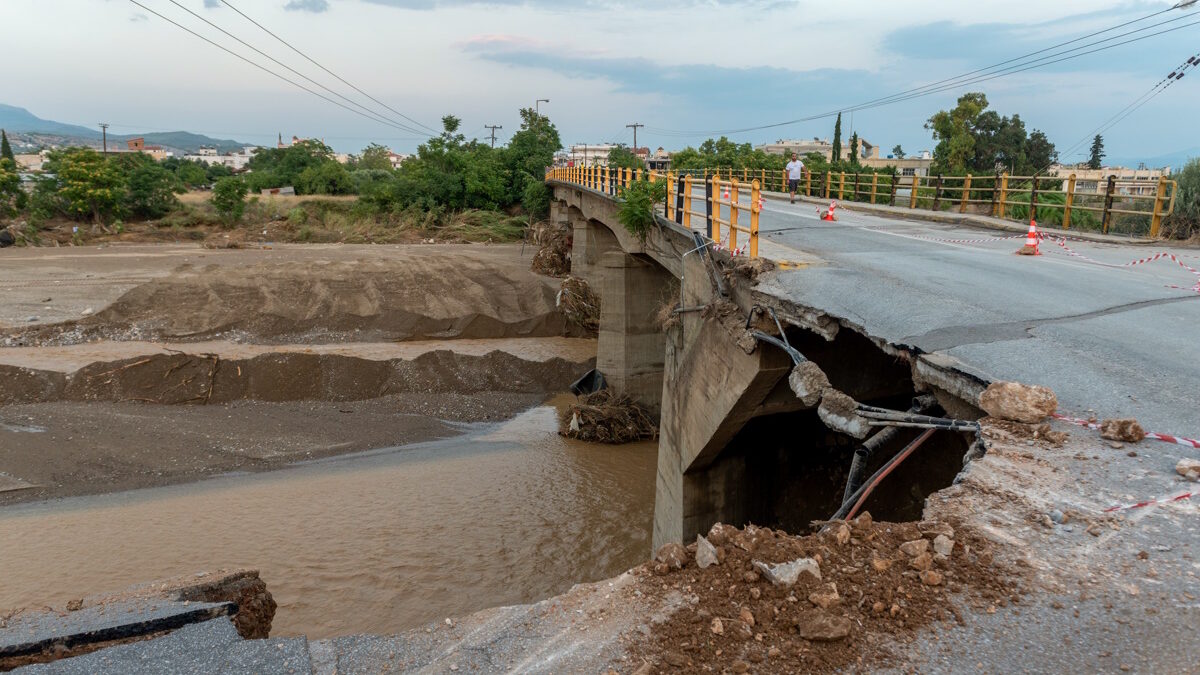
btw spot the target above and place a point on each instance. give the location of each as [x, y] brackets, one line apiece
[981, 74]
[635, 126]
[265, 69]
[293, 70]
[335, 75]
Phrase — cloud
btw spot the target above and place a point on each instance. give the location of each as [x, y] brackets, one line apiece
[212, 4]
[139, 17]
[314, 6]
[560, 5]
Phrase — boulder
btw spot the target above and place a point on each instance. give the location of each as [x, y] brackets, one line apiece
[1189, 469]
[788, 573]
[706, 553]
[673, 555]
[820, 626]
[1018, 402]
[1122, 430]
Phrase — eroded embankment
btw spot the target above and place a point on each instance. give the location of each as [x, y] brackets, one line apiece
[436, 295]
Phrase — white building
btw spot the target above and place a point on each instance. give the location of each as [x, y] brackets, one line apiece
[236, 161]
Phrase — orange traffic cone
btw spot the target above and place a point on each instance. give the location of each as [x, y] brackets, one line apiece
[829, 215]
[1031, 241]
[725, 193]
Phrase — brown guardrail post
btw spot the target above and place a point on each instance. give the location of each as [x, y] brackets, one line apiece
[808, 183]
[755, 198]
[1033, 194]
[1159, 197]
[995, 192]
[912, 194]
[842, 186]
[1066, 224]
[874, 185]
[854, 194]
[937, 194]
[687, 201]
[1003, 191]
[828, 181]
[1108, 200]
[733, 212]
[966, 194]
[895, 177]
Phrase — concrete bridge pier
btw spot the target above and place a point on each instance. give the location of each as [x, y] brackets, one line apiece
[632, 344]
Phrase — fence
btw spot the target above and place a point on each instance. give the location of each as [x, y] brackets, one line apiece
[725, 214]
[1120, 205]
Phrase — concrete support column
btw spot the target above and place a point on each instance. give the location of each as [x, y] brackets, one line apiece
[591, 241]
[631, 347]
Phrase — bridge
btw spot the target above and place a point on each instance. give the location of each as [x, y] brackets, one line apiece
[903, 294]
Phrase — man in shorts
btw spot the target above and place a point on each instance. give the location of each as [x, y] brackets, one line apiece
[795, 171]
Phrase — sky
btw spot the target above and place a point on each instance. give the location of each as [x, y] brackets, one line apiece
[684, 69]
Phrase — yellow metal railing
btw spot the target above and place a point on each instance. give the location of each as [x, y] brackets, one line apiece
[725, 214]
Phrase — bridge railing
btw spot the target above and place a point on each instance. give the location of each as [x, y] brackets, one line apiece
[1111, 204]
[730, 207]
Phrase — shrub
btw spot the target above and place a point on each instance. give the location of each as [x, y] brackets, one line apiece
[1051, 206]
[1184, 221]
[536, 199]
[297, 216]
[637, 211]
[229, 199]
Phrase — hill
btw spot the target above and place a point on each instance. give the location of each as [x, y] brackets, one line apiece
[33, 130]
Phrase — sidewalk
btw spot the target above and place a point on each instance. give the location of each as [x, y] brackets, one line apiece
[968, 219]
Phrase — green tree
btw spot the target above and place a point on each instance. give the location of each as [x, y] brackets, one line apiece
[1039, 152]
[327, 178]
[229, 199]
[375, 157]
[11, 195]
[954, 130]
[6, 151]
[87, 183]
[622, 157]
[898, 152]
[854, 149]
[281, 167]
[152, 190]
[531, 150]
[1184, 221]
[837, 140]
[1096, 157]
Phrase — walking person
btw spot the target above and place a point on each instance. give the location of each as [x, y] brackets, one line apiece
[795, 171]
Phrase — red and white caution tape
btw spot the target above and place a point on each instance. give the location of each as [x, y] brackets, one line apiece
[1138, 505]
[1140, 261]
[1165, 438]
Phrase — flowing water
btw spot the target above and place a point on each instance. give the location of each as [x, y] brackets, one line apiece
[373, 543]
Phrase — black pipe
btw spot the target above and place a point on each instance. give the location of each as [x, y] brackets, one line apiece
[862, 454]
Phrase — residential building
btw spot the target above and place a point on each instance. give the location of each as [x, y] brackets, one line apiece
[31, 161]
[659, 161]
[868, 154]
[1142, 182]
[397, 159]
[156, 152]
[236, 161]
[911, 165]
[595, 154]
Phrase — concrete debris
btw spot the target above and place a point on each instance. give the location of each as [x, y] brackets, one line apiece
[1018, 402]
[838, 412]
[706, 553]
[819, 626]
[921, 562]
[943, 545]
[721, 534]
[915, 547]
[674, 555]
[1127, 430]
[1189, 469]
[932, 528]
[788, 573]
[808, 382]
[931, 578]
[842, 534]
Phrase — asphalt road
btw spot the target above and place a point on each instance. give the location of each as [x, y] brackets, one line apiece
[1116, 341]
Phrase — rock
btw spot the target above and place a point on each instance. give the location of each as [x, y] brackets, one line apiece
[932, 528]
[746, 616]
[820, 626]
[826, 596]
[644, 669]
[31, 319]
[839, 412]
[881, 564]
[774, 653]
[750, 577]
[786, 574]
[7, 239]
[921, 562]
[88, 311]
[931, 578]
[1188, 468]
[915, 547]
[843, 534]
[808, 382]
[717, 627]
[706, 553]
[943, 545]
[75, 605]
[878, 607]
[675, 659]
[1122, 430]
[755, 592]
[1056, 516]
[739, 666]
[721, 534]
[674, 555]
[1018, 402]
[863, 519]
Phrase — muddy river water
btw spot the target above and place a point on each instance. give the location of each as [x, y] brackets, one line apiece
[372, 543]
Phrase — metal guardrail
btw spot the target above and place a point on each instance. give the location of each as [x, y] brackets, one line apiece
[1090, 204]
[724, 211]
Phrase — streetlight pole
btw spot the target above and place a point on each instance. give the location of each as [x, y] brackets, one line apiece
[537, 105]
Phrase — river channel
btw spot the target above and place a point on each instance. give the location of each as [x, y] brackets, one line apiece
[376, 542]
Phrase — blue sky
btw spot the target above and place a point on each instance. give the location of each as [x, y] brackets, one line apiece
[697, 66]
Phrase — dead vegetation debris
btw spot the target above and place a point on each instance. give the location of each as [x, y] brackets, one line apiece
[774, 602]
[579, 304]
[553, 257]
[604, 417]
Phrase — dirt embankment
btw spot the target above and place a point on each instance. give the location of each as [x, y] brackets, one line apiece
[418, 294]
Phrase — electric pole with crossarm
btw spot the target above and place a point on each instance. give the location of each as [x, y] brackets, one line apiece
[493, 127]
[635, 127]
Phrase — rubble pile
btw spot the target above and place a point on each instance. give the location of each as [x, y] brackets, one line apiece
[756, 599]
[553, 257]
[579, 304]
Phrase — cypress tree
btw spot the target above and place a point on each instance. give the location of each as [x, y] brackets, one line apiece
[6, 151]
[854, 148]
[837, 140]
[1096, 160]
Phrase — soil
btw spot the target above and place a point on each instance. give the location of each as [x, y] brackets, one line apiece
[871, 595]
[66, 449]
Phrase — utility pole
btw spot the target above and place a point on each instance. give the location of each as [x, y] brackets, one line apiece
[635, 127]
[493, 127]
[104, 134]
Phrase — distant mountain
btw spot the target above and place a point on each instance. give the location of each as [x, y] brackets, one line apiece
[20, 122]
[1175, 160]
